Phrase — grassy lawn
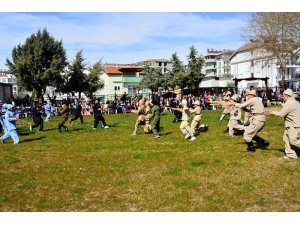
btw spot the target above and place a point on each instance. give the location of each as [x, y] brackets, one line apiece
[110, 170]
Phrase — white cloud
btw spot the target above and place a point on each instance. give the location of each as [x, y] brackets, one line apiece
[134, 36]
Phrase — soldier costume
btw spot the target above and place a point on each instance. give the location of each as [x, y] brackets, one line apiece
[184, 126]
[141, 116]
[197, 117]
[155, 118]
[64, 111]
[291, 113]
[226, 111]
[257, 120]
[147, 116]
[235, 122]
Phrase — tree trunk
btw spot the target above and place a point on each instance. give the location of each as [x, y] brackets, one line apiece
[79, 95]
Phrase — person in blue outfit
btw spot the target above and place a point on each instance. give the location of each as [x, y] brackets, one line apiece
[48, 110]
[1, 114]
[10, 129]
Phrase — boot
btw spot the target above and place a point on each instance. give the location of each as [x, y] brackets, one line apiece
[262, 142]
[250, 148]
[59, 128]
[227, 130]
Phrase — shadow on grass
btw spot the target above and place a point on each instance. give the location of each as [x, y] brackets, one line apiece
[25, 133]
[34, 139]
[50, 129]
[166, 134]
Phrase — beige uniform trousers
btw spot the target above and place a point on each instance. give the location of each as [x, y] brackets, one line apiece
[185, 128]
[139, 122]
[253, 129]
[291, 138]
[234, 125]
[195, 124]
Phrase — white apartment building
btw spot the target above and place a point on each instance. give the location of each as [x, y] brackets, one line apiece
[217, 69]
[6, 77]
[119, 79]
[256, 66]
[163, 64]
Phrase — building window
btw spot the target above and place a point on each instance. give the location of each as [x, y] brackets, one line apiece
[117, 88]
[132, 89]
[165, 64]
[159, 64]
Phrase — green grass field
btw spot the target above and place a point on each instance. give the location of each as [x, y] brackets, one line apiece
[109, 170]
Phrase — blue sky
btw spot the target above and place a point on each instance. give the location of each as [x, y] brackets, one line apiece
[121, 37]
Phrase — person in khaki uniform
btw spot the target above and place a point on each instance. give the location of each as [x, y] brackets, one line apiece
[147, 116]
[226, 111]
[291, 113]
[184, 126]
[141, 116]
[64, 111]
[235, 117]
[257, 120]
[197, 117]
[246, 110]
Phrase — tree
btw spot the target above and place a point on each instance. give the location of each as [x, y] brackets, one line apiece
[277, 33]
[194, 67]
[178, 75]
[93, 81]
[38, 63]
[75, 77]
[152, 78]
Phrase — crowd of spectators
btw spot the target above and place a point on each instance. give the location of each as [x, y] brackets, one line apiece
[126, 103]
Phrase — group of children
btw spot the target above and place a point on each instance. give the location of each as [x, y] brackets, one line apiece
[149, 118]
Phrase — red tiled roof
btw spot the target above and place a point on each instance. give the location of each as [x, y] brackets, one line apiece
[112, 70]
[117, 70]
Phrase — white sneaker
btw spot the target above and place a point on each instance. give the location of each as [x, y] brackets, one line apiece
[193, 138]
[187, 136]
[106, 127]
[94, 128]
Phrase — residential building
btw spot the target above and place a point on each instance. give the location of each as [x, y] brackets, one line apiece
[257, 68]
[217, 70]
[163, 64]
[6, 77]
[119, 79]
[5, 92]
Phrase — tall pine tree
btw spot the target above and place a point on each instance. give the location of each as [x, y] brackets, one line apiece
[38, 63]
